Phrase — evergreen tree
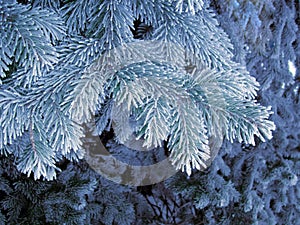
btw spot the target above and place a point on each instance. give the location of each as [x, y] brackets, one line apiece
[163, 72]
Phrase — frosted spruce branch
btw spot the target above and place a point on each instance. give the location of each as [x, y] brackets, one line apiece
[146, 81]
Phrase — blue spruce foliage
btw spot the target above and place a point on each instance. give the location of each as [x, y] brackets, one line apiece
[183, 77]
